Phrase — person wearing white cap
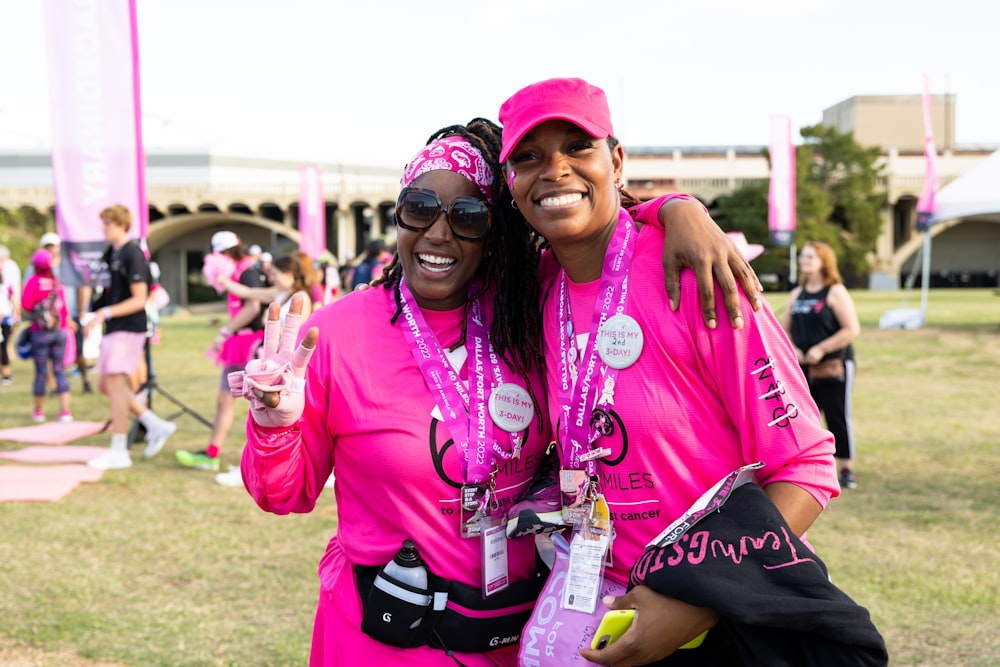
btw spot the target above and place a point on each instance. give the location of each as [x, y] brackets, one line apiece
[234, 346]
[121, 310]
[49, 241]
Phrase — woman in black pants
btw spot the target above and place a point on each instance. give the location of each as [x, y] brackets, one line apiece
[822, 321]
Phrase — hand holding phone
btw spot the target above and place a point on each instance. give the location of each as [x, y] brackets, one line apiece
[612, 627]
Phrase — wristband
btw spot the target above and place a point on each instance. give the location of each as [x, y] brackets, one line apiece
[107, 313]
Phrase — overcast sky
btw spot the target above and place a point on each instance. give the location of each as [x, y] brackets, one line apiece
[366, 81]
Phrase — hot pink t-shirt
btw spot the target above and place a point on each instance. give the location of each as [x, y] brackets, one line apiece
[371, 419]
[692, 409]
[37, 289]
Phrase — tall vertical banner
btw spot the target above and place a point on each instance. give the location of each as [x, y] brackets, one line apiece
[312, 212]
[925, 204]
[781, 195]
[97, 154]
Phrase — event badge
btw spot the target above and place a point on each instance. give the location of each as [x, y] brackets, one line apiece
[619, 341]
[583, 580]
[495, 575]
[474, 501]
[511, 407]
[599, 525]
[575, 505]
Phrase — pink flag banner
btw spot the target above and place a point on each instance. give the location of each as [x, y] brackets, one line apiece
[925, 204]
[781, 195]
[97, 154]
[312, 212]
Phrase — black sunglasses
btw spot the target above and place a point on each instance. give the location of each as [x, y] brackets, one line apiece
[468, 217]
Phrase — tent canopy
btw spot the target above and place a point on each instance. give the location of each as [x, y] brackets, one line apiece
[975, 192]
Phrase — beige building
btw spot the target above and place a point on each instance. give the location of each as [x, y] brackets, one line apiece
[894, 121]
[966, 252]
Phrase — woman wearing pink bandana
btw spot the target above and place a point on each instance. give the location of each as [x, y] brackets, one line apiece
[650, 408]
[424, 393]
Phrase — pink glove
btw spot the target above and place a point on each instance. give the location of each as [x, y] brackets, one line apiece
[275, 383]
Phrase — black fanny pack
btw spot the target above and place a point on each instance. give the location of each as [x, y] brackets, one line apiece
[449, 616]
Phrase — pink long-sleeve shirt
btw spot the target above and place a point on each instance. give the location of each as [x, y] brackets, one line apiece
[691, 409]
[371, 418]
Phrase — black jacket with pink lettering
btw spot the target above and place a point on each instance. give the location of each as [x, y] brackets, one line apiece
[776, 601]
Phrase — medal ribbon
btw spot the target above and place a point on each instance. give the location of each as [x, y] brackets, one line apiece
[465, 415]
[577, 400]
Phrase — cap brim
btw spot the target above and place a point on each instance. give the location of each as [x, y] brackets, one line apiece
[590, 128]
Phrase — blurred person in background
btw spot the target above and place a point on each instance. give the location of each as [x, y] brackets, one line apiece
[10, 309]
[313, 278]
[288, 279]
[44, 303]
[120, 308]
[371, 265]
[233, 346]
[822, 322]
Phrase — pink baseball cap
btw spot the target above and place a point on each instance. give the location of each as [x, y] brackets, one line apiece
[573, 100]
[751, 251]
[42, 259]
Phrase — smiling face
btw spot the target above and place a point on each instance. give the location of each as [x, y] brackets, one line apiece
[436, 265]
[564, 183]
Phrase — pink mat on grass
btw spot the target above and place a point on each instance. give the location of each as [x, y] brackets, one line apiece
[43, 483]
[51, 433]
[54, 454]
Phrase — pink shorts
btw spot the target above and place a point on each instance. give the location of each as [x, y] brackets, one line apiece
[120, 352]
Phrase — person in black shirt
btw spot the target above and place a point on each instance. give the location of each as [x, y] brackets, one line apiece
[121, 309]
[821, 320]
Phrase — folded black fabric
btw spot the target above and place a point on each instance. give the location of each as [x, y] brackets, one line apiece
[775, 598]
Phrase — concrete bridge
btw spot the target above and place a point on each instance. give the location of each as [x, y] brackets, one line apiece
[192, 195]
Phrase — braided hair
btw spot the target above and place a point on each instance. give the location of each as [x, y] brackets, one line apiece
[509, 266]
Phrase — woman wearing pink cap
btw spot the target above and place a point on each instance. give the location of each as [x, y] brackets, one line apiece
[650, 408]
[424, 394]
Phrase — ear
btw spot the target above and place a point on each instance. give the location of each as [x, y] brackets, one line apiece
[618, 161]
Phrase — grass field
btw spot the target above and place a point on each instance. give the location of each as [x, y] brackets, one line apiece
[159, 566]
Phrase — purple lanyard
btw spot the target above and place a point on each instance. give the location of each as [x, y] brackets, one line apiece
[466, 416]
[578, 400]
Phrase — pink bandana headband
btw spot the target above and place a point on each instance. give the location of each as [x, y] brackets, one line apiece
[453, 154]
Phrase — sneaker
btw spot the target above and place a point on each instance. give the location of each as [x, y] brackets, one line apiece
[65, 417]
[233, 477]
[37, 416]
[539, 510]
[7, 381]
[156, 438]
[847, 479]
[199, 460]
[87, 389]
[111, 460]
